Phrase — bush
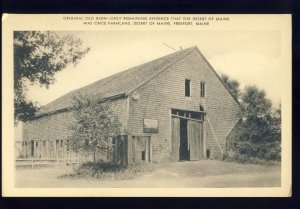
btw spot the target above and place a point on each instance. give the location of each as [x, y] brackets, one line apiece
[263, 150]
[101, 170]
[240, 158]
[258, 135]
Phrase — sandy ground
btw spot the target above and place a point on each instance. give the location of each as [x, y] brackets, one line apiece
[190, 174]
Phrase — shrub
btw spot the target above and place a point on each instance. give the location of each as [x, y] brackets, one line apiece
[258, 135]
[259, 149]
[103, 170]
[240, 158]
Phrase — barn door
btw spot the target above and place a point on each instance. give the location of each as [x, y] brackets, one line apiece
[175, 138]
[195, 139]
[140, 149]
[144, 149]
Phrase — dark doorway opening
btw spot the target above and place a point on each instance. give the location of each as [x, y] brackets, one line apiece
[32, 148]
[184, 153]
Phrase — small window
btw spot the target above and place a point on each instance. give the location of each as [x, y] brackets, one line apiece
[201, 108]
[202, 89]
[187, 87]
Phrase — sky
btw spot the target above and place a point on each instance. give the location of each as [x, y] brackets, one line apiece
[251, 57]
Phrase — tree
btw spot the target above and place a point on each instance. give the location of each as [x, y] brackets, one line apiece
[37, 57]
[260, 131]
[94, 126]
[232, 85]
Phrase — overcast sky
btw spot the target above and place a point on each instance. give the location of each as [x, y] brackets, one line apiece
[252, 58]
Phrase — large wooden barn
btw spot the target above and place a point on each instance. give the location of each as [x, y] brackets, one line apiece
[173, 108]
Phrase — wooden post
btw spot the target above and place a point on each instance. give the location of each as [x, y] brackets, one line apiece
[150, 154]
[54, 149]
[133, 149]
[47, 148]
[129, 146]
[40, 143]
[94, 155]
[204, 139]
[36, 148]
[147, 149]
[24, 148]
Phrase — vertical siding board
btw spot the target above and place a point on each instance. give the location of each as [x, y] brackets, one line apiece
[191, 140]
[129, 151]
[138, 150]
[175, 138]
[194, 137]
[150, 150]
[201, 141]
[204, 139]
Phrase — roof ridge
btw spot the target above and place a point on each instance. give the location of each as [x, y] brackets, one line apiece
[187, 52]
[140, 65]
[137, 75]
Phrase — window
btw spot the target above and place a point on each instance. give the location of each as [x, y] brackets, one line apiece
[202, 89]
[187, 87]
[143, 155]
[201, 108]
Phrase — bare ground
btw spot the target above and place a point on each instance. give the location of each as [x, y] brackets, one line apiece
[189, 174]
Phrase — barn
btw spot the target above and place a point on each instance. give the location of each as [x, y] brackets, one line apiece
[173, 108]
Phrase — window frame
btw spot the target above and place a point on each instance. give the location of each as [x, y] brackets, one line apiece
[202, 89]
[189, 87]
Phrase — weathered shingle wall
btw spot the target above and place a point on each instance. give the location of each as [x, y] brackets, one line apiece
[222, 110]
[56, 126]
[50, 127]
[167, 90]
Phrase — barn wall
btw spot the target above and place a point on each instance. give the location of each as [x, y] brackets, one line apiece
[49, 127]
[54, 127]
[167, 90]
[232, 137]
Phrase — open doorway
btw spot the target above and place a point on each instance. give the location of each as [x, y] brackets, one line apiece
[184, 153]
[187, 135]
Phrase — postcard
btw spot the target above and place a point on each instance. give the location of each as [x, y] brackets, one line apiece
[146, 105]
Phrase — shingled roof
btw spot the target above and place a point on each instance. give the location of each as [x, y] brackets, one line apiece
[121, 83]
